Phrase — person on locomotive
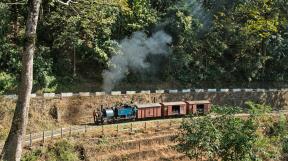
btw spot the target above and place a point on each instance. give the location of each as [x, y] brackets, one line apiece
[94, 115]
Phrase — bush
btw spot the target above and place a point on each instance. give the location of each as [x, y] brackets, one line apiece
[197, 143]
[34, 155]
[285, 145]
[7, 82]
[232, 138]
[60, 151]
[226, 109]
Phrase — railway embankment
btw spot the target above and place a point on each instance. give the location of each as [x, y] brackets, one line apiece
[49, 110]
[147, 140]
[77, 108]
[151, 143]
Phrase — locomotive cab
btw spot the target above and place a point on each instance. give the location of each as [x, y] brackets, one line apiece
[126, 112]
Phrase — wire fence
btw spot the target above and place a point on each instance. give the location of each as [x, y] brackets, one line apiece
[111, 129]
[101, 130]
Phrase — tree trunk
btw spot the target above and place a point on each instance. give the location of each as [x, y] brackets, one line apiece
[264, 54]
[15, 20]
[13, 145]
[74, 62]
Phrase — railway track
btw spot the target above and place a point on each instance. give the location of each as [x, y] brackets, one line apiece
[50, 134]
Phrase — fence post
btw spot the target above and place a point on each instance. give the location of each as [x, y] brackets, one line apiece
[157, 125]
[52, 134]
[102, 130]
[30, 138]
[43, 137]
[85, 128]
[61, 132]
[131, 127]
[117, 129]
[70, 131]
[145, 126]
[139, 147]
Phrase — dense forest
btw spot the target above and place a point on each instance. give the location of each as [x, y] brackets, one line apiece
[213, 42]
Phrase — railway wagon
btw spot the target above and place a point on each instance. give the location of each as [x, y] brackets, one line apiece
[150, 110]
[198, 107]
[173, 109]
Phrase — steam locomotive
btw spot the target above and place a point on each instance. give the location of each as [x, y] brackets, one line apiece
[150, 111]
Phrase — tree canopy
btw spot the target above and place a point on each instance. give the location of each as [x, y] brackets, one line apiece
[215, 43]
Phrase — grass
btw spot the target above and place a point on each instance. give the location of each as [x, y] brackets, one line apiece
[39, 118]
[6, 113]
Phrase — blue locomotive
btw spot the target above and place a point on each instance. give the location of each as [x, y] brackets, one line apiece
[115, 114]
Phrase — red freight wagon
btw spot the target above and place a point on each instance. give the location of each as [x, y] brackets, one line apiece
[173, 108]
[198, 107]
[150, 110]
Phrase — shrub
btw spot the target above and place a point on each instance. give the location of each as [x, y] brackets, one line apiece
[226, 109]
[7, 82]
[227, 137]
[60, 151]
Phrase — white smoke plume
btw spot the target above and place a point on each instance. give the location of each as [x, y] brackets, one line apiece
[196, 9]
[132, 55]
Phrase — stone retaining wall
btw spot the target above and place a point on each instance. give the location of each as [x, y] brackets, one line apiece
[78, 107]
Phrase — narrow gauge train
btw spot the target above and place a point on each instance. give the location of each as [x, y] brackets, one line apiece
[150, 111]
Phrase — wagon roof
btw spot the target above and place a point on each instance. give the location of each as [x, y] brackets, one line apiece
[173, 103]
[199, 102]
[147, 105]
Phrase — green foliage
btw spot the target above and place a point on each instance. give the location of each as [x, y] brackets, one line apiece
[198, 143]
[215, 43]
[60, 151]
[278, 129]
[257, 109]
[226, 109]
[33, 155]
[238, 138]
[4, 19]
[260, 17]
[43, 71]
[285, 145]
[7, 82]
[227, 137]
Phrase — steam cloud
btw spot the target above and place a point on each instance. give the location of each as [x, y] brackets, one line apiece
[196, 9]
[132, 54]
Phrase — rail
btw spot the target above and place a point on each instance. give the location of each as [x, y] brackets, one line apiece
[130, 127]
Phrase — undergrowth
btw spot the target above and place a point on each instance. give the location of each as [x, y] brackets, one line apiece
[60, 151]
[39, 118]
[226, 109]
[6, 113]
